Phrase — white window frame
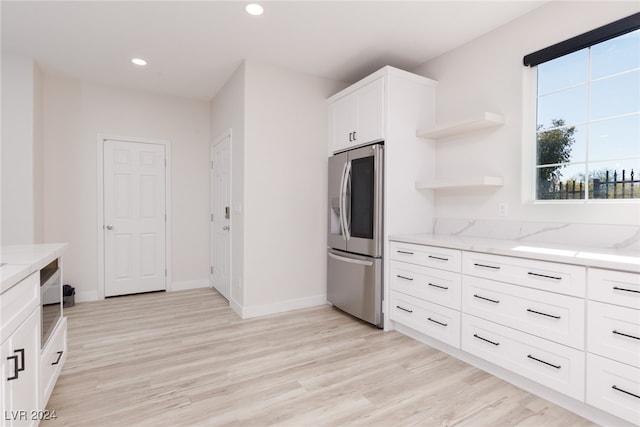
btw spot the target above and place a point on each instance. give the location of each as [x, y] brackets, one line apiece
[529, 150]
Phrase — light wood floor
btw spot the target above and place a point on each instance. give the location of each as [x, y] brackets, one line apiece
[185, 359]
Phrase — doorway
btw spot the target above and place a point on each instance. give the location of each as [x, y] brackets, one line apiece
[221, 224]
[133, 216]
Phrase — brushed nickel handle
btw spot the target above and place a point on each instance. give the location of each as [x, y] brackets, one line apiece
[109, 227]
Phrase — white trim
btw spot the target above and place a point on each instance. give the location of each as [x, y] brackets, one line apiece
[528, 167]
[226, 134]
[86, 296]
[278, 307]
[188, 284]
[101, 138]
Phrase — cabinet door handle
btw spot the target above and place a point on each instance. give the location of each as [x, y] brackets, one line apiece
[437, 286]
[350, 137]
[435, 321]
[438, 258]
[405, 252]
[542, 314]
[15, 368]
[544, 275]
[495, 301]
[625, 335]
[625, 290]
[20, 351]
[354, 135]
[494, 267]
[404, 309]
[542, 361]
[58, 359]
[486, 340]
[624, 391]
[405, 278]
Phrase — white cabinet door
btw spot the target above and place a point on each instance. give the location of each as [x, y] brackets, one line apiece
[19, 376]
[344, 119]
[370, 113]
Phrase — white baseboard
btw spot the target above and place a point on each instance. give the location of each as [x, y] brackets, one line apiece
[236, 307]
[247, 312]
[188, 284]
[86, 296]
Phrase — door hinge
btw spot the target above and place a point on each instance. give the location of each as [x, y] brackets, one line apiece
[211, 269]
[211, 164]
[211, 217]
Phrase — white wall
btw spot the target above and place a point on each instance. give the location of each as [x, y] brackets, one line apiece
[21, 151]
[75, 112]
[285, 185]
[487, 75]
[227, 112]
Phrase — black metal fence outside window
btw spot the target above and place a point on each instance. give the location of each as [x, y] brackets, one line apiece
[609, 186]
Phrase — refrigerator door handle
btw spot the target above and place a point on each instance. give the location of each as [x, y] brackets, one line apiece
[343, 212]
[342, 200]
[350, 260]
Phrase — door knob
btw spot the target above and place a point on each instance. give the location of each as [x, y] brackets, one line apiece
[226, 227]
[109, 227]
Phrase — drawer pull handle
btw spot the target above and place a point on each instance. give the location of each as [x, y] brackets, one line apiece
[438, 286]
[438, 258]
[624, 391]
[486, 340]
[495, 301]
[625, 335]
[542, 361]
[542, 314]
[625, 290]
[435, 321]
[494, 267]
[544, 275]
[404, 309]
[404, 277]
[58, 359]
[405, 252]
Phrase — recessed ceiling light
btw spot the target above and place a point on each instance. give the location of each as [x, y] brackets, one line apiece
[254, 9]
[139, 61]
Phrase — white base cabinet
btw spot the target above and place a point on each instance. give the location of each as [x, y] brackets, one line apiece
[573, 329]
[20, 353]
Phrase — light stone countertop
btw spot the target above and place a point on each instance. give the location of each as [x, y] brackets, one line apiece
[623, 260]
[23, 260]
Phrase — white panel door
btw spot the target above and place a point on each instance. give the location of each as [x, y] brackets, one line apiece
[221, 216]
[134, 217]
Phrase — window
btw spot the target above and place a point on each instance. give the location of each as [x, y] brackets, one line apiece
[588, 122]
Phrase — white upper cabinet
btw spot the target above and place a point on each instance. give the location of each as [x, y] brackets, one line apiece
[358, 117]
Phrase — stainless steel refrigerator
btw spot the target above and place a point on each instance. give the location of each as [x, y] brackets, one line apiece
[355, 238]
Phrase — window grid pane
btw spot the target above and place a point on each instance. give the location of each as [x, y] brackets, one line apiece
[580, 126]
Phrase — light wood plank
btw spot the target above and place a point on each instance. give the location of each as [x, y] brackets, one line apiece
[185, 358]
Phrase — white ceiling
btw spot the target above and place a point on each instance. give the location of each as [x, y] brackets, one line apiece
[194, 46]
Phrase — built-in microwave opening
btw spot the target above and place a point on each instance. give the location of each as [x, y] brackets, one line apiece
[50, 298]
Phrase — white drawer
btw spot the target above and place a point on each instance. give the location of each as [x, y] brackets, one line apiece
[51, 360]
[429, 256]
[430, 319]
[555, 317]
[556, 366]
[430, 284]
[18, 303]
[548, 276]
[614, 332]
[615, 287]
[614, 387]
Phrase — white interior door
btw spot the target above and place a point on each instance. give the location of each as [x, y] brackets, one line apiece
[134, 217]
[221, 216]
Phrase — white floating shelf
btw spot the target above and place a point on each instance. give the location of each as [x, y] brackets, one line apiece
[485, 120]
[481, 181]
